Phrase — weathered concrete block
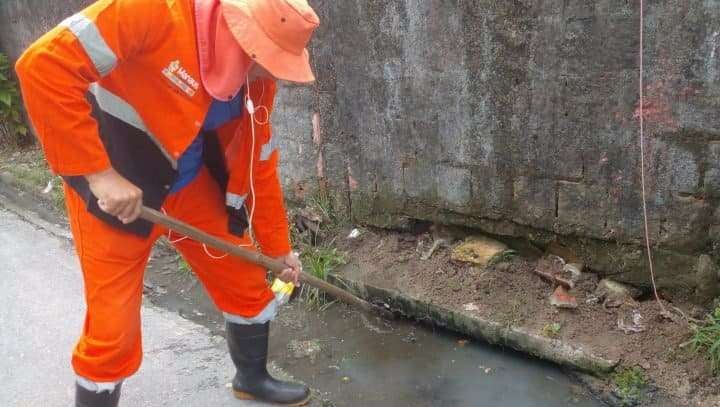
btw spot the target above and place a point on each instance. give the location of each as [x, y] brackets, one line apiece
[712, 182]
[582, 209]
[535, 201]
[682, 223]
[419, 180]
[492, 193]
[454, 185]
[673, 168]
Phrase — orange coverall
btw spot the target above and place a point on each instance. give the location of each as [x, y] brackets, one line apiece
[123, 71]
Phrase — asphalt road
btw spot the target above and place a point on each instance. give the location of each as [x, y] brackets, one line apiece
[41, 316]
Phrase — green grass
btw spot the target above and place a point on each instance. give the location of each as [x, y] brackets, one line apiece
[552, 330]
[706, 340]
[504, 257]
[629, 385]
[317, 252]
[319, 262]
[183, 266]
[12, 125]
[31, 172]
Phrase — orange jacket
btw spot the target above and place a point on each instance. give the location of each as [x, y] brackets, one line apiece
[125, 66]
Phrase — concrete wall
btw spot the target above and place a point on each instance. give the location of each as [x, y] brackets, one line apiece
[520, 118]
[517, 117]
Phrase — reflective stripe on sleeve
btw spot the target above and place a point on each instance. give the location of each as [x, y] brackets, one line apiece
[266, 151]
[234, 200]
[92, 41]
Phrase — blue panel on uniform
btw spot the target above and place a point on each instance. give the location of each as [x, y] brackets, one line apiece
[191, 161]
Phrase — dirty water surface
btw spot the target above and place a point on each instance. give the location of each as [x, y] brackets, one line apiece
[351, 359]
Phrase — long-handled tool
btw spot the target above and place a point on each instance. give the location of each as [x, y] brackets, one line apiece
[269, 263]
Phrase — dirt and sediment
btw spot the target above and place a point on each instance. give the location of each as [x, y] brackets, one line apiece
[511, 294]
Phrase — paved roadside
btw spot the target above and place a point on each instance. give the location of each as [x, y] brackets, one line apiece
[41, 316]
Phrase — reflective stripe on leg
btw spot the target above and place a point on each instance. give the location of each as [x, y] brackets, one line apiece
[267, 314]
[97, 387]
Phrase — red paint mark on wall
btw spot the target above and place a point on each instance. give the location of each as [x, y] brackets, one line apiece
[320, 165]
[317, 131]
[657, 109]
[352, 182]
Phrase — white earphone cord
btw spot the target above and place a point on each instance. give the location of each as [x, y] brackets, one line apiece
[250, 106]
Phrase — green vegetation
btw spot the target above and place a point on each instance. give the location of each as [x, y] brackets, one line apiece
[183, 266]
[12, 126]
[32, 174]
[552, 330]
[324, 203]
[319, 262]
[706, 339]
[629, 385]
[316, 247]
[504, 257]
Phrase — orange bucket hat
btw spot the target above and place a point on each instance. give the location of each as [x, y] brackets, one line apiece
[275, 34]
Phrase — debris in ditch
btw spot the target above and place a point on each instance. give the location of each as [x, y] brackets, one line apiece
[442, 236]
[614, 294]
[560, 298]
[48, 188]
[478, 250]
[592, 299]
[462, 342]
[550, 269]
[471, 307]
[307, 219]
[354, 234]
[574, 271]
[487, 370]
[552, 330]
[631, 323]
[410, 337]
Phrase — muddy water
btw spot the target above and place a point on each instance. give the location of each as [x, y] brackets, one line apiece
[353, 360]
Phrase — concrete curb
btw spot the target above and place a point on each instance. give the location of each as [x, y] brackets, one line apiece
[21, 203]
[491, 332]
[485, 330]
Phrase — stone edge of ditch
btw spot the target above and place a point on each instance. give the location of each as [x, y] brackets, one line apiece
[492, 332]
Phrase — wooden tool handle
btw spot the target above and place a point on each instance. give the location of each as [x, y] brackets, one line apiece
[254, 257]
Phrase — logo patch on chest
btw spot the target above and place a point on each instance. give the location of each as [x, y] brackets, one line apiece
[179, 77]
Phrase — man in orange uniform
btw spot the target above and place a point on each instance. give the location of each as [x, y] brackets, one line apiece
[167, 103]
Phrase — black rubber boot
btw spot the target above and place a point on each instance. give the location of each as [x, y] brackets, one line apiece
[249, 348]
[87, 398]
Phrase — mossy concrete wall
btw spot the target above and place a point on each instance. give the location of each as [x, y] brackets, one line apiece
[520, 118]
[517, 117]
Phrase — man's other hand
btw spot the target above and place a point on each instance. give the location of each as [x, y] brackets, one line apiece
[292, 273]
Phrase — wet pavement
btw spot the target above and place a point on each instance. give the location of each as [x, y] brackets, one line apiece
[355, 360]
